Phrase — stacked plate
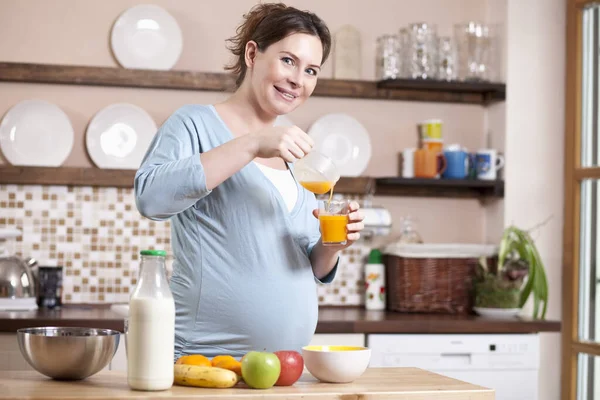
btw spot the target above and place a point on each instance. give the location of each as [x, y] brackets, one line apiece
[119, 135]
[146, 37]
[36, 133]
[343, 139]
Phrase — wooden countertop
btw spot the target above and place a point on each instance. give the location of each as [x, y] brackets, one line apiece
[331, 320]
[376, 383]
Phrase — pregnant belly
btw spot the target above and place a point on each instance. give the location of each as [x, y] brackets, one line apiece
[264, 316]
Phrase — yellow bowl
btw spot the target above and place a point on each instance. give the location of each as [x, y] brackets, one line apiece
[336, 364]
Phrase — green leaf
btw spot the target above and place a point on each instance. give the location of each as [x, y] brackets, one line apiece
[519, 243]
[483, 264]
[543, 282]
[504, 249]
[526, 292]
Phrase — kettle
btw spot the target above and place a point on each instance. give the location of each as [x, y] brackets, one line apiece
[17, 279]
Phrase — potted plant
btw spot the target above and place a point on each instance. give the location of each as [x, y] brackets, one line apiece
[503, 287]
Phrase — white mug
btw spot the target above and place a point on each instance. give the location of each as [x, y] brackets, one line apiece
[408, 163]
[488, 163]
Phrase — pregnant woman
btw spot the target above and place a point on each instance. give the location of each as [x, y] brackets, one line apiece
[245, 237]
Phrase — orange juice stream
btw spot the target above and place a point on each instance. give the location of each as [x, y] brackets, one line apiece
[321, 187]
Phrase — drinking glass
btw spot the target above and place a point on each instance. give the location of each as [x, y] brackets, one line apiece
[333, 218]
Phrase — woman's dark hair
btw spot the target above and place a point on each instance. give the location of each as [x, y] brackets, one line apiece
[269, 23]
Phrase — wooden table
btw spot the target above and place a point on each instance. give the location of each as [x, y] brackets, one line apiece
[376, 383]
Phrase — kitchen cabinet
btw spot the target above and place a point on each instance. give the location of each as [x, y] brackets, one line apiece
[10, 355]
[489, 360]
[11, 358]
[119, 361]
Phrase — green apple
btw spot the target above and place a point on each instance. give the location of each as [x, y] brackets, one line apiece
[260, 370]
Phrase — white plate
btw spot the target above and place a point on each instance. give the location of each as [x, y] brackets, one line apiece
[119, 135]
[146, 37]
[36, 133]
[344, 140]
[504, 313]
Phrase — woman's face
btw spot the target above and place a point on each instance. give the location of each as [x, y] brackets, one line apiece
[285, 74]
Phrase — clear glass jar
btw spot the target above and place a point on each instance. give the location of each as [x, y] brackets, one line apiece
[447, 64]
[476, 49]
[408, 232]
[422, 52]
[388, 60]
[151, 326]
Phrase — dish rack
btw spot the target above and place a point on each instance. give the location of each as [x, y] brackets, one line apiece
[432, 278]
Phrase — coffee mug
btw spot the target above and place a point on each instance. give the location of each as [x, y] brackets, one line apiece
[433, 144]
[489, 162]
[457, 164]
[431, 129]
[408, 163]
[426, 163]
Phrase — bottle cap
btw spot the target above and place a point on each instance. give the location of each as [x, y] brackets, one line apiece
[160, 253]
[375, 257]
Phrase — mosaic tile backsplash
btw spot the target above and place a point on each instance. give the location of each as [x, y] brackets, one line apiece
[96, 234]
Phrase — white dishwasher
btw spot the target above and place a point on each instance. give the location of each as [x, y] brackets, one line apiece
[508, 363]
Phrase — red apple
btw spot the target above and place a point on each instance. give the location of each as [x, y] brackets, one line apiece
[292, 365]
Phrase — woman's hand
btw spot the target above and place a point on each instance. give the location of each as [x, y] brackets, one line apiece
[288, 142]
[355, 225]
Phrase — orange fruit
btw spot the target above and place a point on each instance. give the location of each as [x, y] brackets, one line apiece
[194, 359]
[230, 364]
[219, 358]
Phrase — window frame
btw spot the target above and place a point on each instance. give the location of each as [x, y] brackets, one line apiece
[572, 346]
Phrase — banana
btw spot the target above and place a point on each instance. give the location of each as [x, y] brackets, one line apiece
[203, 376]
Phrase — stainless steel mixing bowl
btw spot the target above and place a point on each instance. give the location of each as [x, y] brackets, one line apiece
[68, 353]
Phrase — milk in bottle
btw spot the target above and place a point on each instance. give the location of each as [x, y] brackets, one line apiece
[151, 327]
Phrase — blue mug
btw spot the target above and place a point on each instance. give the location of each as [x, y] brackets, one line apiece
[457, 164]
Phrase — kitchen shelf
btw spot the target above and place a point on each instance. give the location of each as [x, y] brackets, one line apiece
[71, 176]
[484, 93]
[457, 188]
[67, 176]
[401, 89]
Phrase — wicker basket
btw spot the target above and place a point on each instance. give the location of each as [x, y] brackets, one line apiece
[432, 278]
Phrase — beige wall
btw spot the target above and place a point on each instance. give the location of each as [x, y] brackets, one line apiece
[534, 146]
[77, 32]
[495, 121]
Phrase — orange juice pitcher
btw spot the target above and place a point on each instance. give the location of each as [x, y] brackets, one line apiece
[316, 173]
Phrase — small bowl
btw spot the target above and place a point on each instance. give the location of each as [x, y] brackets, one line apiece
[336, 364]
[68, 353]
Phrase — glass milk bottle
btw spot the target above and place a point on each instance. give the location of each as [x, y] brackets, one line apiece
[151, 326]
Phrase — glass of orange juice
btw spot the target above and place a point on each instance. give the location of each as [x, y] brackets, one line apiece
[333, 218]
